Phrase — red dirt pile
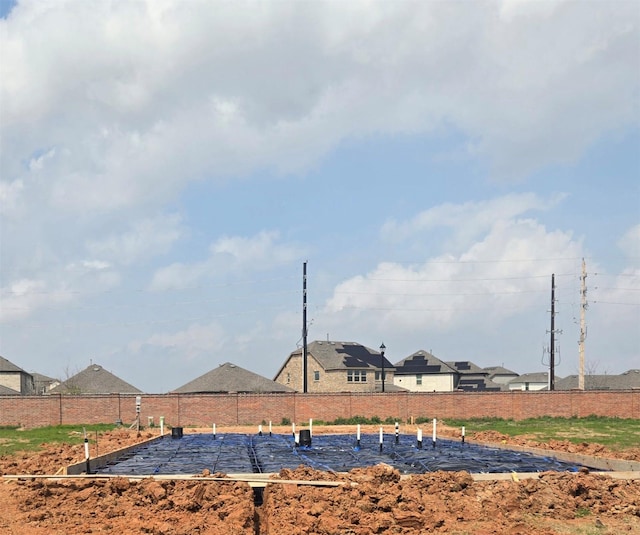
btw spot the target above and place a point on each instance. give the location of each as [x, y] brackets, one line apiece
[450, 502]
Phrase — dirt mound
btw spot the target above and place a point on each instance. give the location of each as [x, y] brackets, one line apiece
[119, 505]
[450, 502]
[584, 448]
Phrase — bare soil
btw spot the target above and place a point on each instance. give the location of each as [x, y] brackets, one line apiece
[371, 500]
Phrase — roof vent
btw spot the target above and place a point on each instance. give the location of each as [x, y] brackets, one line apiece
[96, 368]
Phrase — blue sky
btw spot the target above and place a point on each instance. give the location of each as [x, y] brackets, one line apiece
[168, 167]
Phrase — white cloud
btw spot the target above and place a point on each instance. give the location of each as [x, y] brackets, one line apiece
[56, 289]
[194, 341]
[468, 220]
[122, 95]
[229, 254]
[37, 163]
[630, 242]
[22, 297]
[10, 193]
[504, 272]
[145, 238]
[262, 247]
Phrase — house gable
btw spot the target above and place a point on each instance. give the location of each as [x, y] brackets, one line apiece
[336, 367]
[15, 378]
[422, 372]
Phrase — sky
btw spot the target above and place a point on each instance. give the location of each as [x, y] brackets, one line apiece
[168, 166]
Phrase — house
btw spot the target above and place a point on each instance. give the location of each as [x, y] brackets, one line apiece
[472, 378]
[95, 380]
[231, 378]
[530, 381]
[43, 384]
[422, 372]
[625, 381]
[338, 367]
[500, 374]
[15, 378]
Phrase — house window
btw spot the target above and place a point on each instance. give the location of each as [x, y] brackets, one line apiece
[419, 379]
[378, 374]
[356, 376]
[316, 375]
[288, 378]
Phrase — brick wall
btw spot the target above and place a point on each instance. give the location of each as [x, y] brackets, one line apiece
[239, 409]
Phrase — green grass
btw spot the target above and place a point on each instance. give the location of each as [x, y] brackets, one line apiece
[13, 439]
[615, 433]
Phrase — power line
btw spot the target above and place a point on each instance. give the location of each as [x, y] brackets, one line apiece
[616, 303]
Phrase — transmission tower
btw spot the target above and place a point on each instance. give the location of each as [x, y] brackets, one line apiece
[583, 323]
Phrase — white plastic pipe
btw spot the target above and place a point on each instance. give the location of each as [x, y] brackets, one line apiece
[434, 431]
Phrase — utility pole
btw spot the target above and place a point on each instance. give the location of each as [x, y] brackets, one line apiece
[552, 363]
[583, 324]
[304, 327]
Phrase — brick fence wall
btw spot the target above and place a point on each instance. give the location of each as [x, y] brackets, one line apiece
[240, 409]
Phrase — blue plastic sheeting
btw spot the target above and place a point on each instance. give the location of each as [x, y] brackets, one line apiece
[237, 453]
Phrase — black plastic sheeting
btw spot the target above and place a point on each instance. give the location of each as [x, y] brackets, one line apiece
[238, 453]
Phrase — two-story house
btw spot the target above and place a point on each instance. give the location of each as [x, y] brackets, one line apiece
[422, 372]
[338, 367]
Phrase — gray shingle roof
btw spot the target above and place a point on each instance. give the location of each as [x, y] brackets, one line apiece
[6, 391]
[43, 383]
[95, 380]
[42, 378]
[422, 362]
[499, 370]
[8, 366]
[231, 378]
[537, 377]
[345, 356]
[624, 381]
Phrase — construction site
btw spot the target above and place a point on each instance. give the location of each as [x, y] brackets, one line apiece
[319, 480]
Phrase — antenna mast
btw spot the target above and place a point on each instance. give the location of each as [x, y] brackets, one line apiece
[583, 323]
